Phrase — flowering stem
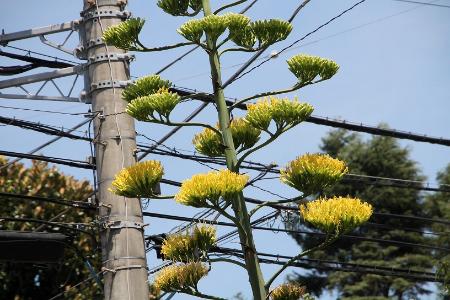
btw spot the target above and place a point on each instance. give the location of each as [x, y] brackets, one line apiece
[269, 203]
[145, 49]
[170, 123]
[228, 260]
[327, 242]
[238, 202]
[204, 296]
[229, 5]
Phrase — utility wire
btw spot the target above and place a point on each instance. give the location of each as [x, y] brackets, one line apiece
[43, 111]
[348, 178]
[344, 236]
[423, 3]
[56, 160]
[42, 54]
[64, 202]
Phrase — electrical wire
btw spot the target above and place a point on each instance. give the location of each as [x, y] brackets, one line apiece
[424, 3]
[42, 54]
[71, 203]
[43, 111]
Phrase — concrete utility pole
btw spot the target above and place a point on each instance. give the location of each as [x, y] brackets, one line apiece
[122, 235]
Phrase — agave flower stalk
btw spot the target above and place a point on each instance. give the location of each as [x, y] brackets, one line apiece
[237, 203]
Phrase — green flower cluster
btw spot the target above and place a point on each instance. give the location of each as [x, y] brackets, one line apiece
[242, 31]
[311, 173]
[189, 246]
[162, 102]
[306, 68]
[282, 111]
[124, 35]
[145, 86]
[139, 180]
[180, 7]
[210, 143]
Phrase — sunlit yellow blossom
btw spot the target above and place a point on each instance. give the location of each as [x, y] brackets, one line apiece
[144, 108]
[125, 34]
[338, 214]
[138, 180]
[202, 188]
[310, 173]
[189, 246]
[282, 111]
[180, 277]
[306, 68]
[287, 291]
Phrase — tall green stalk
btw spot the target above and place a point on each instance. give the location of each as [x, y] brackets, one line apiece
[238, 204]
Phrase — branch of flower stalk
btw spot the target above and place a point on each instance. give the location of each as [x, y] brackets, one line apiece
[224, 213]
[327, 242]
[229, 5]
[161, 197]
[201, 295]
[277, 202]
[272, 93]
[169, 123]
[239, 49]
[272, 138]
[228, 260]
[145, 49]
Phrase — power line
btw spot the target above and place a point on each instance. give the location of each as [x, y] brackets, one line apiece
[42, 54]
[75, 204]
[348, 178]
[282, 207]
[423, 3]
[344, 236]
[44, 111]
[354, 126]
[302, 38]
[56, 160]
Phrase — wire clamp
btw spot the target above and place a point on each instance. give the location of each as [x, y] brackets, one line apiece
[123, 224]
[114, 271]
[94, 14]
[105, 84]
[100, 57]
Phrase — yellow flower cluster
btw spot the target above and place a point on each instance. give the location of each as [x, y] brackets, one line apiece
[337, 214]
[144, 86]
[287, 291]
[182, 277]
[210, 143]
[190, 245]
[311, 173]
[138, 180]
[282, 111]
[202, 188]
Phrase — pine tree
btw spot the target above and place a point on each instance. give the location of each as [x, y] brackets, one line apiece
[437, 205]
[378, 156]
[24, 281]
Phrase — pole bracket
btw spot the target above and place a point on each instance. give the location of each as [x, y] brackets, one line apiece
[123, 224]
[106, 84]
[101, 13]
[100, 57]
[123, 268]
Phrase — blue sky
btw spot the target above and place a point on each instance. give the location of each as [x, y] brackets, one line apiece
[395, 69]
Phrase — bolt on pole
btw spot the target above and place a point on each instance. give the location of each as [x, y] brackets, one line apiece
[122, 232]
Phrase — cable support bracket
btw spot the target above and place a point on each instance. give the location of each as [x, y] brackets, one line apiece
[100, 57]
[106, 84]
[114, 270]
[123, 224]
[101, 13]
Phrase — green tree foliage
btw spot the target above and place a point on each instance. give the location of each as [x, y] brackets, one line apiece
[21, 281]
[378, 156]
[438, 206]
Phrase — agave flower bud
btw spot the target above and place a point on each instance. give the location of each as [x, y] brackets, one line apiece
[269, 32]
[144, 86]
[189, 246]
[180, 277]
[192, 30]
[240, 30]
[163, 103]
[138, 180]
[336, 215]
[306, 68]
[125, 34]
[282, 111]
[174, 7]
[209, 187]
[214, 25]
[210, 143]
[311, 173]
[287, 291]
